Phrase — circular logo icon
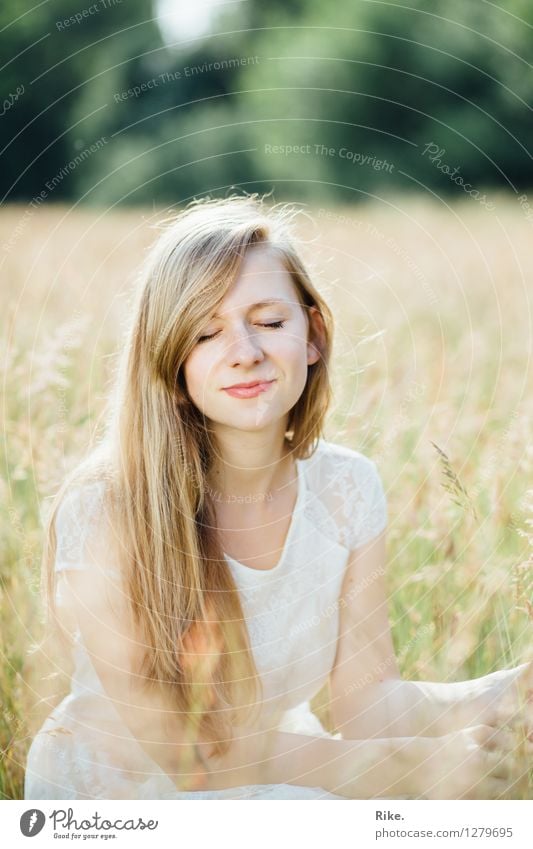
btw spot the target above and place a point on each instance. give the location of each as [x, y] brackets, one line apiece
[32, 822]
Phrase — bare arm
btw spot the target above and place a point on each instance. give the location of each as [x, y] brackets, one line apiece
[98, 606]
[359, 769]
[368, 696]
[356, 769]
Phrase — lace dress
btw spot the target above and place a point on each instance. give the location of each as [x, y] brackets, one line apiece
[85, 751]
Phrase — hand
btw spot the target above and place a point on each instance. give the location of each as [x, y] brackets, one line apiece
[479, 762]
[500, 699]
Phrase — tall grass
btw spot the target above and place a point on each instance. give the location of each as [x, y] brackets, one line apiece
[433, 381]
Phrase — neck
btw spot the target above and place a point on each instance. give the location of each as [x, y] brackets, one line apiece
[253, 468]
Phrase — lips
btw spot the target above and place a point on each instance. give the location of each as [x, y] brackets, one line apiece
[248, 390]
[246, 385]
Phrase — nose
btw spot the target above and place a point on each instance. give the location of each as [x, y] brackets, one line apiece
[244, 349]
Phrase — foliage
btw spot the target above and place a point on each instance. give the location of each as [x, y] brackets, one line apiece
[360, 88]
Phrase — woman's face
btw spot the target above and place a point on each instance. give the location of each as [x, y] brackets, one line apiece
[238, 346]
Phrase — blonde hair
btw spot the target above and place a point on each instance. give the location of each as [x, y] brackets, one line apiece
[157, 452]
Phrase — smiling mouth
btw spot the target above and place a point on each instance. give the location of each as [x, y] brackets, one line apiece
[247, 385]
[249, 390]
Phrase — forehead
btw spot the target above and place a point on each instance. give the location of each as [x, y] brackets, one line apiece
[262, 276]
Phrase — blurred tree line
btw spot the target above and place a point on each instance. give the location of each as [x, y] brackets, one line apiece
[312, 99]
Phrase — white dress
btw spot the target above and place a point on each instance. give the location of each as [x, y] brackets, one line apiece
[85, 751]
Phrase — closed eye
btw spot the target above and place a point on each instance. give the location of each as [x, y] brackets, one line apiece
[275, 324]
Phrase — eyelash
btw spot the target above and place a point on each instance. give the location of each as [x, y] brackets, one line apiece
[274, 324]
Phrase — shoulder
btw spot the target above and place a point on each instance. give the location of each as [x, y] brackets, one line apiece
[331, 458]
[82, 527]
[80, 501]
[80, 507]
[348, 485]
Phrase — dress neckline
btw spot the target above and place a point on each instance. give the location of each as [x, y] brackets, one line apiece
[243, 568]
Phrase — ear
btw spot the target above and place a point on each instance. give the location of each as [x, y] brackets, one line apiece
[316, 335]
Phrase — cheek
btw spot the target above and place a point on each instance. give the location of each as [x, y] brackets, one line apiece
[196, 371]
[292, 350]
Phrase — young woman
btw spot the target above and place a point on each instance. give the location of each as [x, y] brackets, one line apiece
[217, 561]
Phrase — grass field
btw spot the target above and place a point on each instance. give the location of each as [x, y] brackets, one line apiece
[433, 380]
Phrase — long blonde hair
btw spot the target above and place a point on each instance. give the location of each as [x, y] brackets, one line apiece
[157, 452]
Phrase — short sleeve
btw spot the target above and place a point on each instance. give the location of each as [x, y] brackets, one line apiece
[349, 490]
[372, 516]
[82, 538]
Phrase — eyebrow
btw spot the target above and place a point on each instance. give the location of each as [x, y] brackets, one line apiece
[259, 304]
